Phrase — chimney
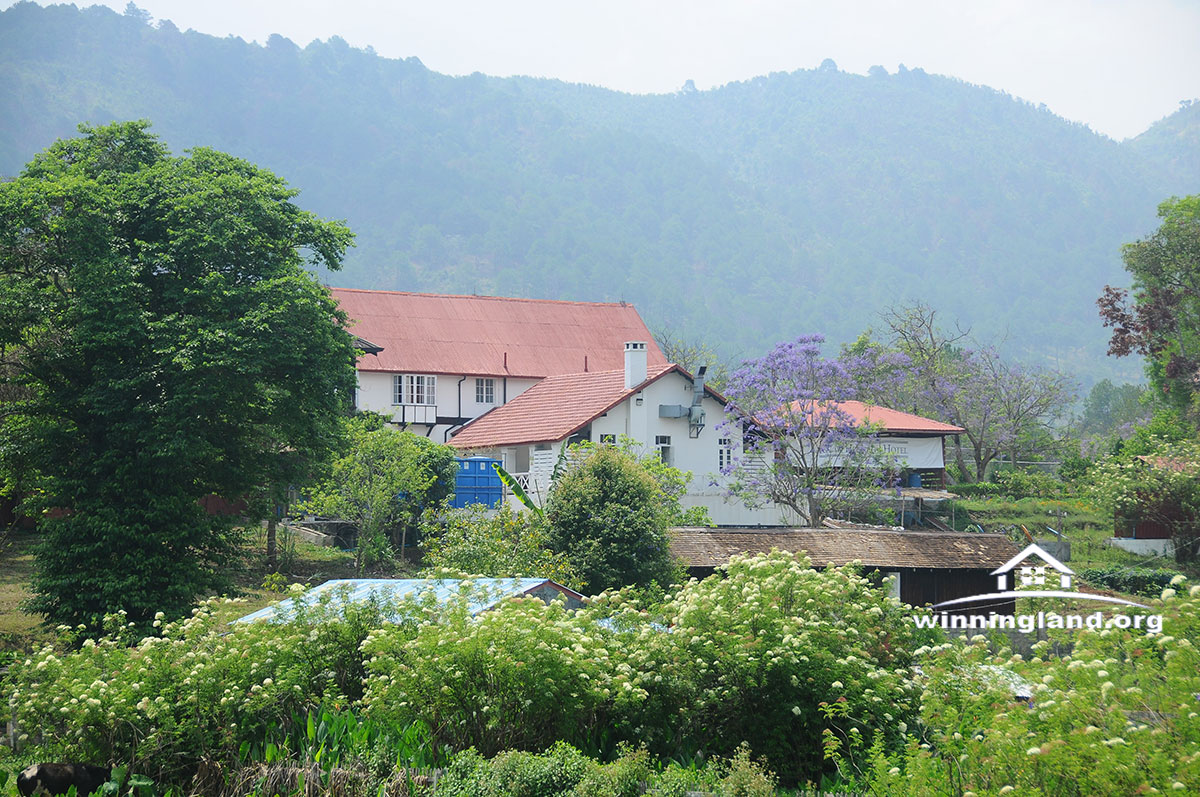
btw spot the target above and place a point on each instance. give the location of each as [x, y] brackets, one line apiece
[635, 363]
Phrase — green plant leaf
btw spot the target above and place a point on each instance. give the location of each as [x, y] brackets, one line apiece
[517, 489]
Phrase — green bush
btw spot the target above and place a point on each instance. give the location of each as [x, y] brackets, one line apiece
[500, 544]
[1015, 484]
[564, 770]
[169, 701]
[1029, 484]
[752, 655]
[609, 514]
[1116, 716]
[1149, 582]
[978, 490]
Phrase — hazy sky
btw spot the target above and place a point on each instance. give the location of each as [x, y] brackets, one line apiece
[1117, 65]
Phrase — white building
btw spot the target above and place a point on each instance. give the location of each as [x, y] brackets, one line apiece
[433, 362]
[918, 444]
[661, 407]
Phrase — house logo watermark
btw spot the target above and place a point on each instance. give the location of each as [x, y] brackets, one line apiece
[1034, 573]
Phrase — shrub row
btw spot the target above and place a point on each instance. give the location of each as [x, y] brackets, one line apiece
[1118, 715]
[1146, 581]
[749, 657]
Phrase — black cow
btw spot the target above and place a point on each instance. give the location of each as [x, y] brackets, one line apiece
[55, 779]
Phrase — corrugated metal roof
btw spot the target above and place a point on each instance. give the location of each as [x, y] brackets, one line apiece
[874, 548]
[551, 410]
[481, 593]
[472, 335]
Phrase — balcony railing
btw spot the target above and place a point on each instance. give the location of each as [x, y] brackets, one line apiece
[414, 413]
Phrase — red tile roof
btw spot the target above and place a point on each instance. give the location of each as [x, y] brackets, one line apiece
[895, 421]
[552, 410]
[477, 335]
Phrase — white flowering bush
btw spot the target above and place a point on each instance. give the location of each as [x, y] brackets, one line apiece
[751, 656]
[1119, 715]
[163, 704]
[519, 676]
[772, 654]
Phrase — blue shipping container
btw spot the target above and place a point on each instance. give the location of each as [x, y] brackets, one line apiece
[477, 482]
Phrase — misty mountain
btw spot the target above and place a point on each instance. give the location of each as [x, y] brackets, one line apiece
[764, 209]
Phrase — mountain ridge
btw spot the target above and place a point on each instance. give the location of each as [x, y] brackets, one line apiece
[791, 203]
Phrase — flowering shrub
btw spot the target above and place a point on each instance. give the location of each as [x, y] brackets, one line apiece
[519, 676]
[752, 655]
[1119, 715]
[166, 702]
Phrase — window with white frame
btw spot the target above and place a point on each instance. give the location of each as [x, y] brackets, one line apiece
[414, 389]
[724, 453]
[485, 391]
[663, 443]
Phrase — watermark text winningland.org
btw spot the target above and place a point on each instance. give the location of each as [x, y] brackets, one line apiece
[1027, 623]
[1016, 579]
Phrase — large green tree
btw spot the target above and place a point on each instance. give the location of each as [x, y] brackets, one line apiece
[1163, 321]
[160, 341]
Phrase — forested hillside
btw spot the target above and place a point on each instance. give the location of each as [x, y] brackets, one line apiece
[785, 204]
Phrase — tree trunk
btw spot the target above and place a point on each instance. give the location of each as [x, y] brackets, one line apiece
[962, 462]
[271, 563]
[815, 517]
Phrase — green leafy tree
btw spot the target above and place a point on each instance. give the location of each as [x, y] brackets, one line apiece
[1110, 408]
[382, 484]
[1163, 322]
[610, 516]
[474, 541]
[160, 341]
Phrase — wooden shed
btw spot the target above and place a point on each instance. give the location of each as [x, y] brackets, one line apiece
[932, 566]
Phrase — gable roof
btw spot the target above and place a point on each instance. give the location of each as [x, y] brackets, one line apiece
[874, 548]
[553, 409]
[895, 421]
[490, 335]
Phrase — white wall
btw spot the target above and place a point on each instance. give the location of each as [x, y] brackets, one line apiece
[910, 452]
[376, 391]
[1143, 547]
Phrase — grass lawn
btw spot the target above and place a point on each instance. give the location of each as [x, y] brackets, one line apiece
[17, 629]
[298, 562]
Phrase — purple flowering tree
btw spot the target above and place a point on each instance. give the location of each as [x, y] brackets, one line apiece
[801, 448]
[1005, 407]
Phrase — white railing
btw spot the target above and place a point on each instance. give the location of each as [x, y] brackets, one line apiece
[414, 413]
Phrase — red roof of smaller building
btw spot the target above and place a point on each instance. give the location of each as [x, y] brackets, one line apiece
[491, 335]
[552, 410]
[895, 421]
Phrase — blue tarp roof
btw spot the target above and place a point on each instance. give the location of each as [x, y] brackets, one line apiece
[483, 593]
